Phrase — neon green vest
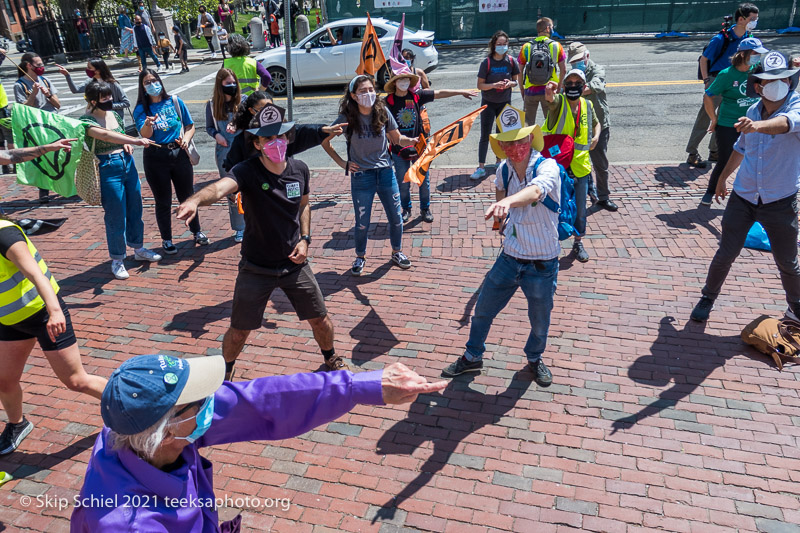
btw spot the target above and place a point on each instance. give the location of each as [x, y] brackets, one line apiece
[3, 97]
[581, 162]
[246, 72]
[19, 298]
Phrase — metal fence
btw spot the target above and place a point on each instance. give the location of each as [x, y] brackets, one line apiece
[59, 35]
[462, 19]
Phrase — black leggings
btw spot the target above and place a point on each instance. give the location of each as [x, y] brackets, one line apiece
[726, 138]
[210, 41]
[164, 169]
[488, 117]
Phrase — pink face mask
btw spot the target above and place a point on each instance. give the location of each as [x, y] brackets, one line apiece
[276, 150]
[517, 152]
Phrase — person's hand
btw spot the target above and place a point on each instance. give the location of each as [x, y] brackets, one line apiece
[722, 191]
[746, 125]
[62, 70]
[586, 90]
[300, 253]
[56, 323]
[61, 144]
[400, 384]
[36, 88]
[231, 127]
[353, 167]
[127, 148]
[550, 89]
[499, 85]
[182, 142]
[498, 210]
[469, 95]
[595, 140]
[143, 141]
[335, 130]
[186, 211]
[221, 140]
[150, 121]
[2, 52]
[712, 126]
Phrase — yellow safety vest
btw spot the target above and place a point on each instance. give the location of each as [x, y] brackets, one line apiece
[3, 97]
[552, 46]
[581, 162]
[19, 298]
[246, 72]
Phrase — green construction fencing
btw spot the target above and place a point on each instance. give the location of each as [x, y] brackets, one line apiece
[462, 19]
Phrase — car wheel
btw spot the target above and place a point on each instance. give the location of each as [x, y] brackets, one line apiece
[383, 77]
[278, 85]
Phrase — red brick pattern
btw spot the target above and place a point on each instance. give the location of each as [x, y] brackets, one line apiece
[652, 422]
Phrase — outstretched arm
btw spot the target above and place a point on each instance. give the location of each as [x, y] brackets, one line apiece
[20, 155]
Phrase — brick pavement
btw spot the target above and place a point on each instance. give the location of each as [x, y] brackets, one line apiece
[652, 423]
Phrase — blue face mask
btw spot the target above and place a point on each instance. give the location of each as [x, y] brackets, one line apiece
[204, 417]
[154, 89]
[755, 59]
[580, 65]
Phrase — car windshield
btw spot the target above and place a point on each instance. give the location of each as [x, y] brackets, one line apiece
[408, 28]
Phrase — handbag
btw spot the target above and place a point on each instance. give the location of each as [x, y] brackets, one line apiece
[757, 238]
[191, 149]
[87, 177]
[780, 339]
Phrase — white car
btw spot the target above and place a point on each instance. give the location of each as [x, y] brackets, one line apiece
[315, 61]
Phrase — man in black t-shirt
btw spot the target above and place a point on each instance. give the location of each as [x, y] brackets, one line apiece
[408, 109]
[275, 193]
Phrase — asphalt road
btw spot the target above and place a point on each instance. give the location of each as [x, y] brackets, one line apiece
[652, 92]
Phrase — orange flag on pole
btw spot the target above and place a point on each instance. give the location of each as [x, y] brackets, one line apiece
[371, 59]
[440, 142]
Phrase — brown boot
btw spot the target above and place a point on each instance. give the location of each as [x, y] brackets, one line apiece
[336, 363]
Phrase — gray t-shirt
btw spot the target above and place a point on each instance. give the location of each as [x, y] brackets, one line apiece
[367, 150]
[23, 88]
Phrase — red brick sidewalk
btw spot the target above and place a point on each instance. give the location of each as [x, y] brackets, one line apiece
[652, 423]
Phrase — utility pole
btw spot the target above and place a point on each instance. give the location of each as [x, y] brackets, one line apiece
[287, 42]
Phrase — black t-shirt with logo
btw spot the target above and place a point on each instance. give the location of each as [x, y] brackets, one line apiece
[271, 206]
[407, 113]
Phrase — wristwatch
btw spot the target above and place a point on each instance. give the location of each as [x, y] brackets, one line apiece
[306, 238]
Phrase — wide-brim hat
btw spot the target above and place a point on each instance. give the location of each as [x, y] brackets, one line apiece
[576, 51]
[144, 388]
[537, 139]
[270, 122]
[390, 85]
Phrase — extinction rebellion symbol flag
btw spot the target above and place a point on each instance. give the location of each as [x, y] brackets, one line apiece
[54, 171]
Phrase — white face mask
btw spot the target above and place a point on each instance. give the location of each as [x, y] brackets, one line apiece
[752, 25]
[403, 84]
[501, 49]
[366, 99]
[775, 91]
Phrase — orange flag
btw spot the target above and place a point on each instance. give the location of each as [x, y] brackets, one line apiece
[372, 58]
[440, 142]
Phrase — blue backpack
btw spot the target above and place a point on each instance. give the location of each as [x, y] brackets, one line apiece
[566, 210]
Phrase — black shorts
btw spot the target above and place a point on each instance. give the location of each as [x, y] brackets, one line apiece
[255, 284]
[35, 327]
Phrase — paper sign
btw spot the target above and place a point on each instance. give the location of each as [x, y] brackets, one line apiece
[510, 118]
[491, 6]
[388, 4]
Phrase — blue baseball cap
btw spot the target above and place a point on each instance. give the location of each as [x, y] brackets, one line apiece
[144, 388]
[751, 43]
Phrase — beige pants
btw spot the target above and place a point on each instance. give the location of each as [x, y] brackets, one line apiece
[532, 103]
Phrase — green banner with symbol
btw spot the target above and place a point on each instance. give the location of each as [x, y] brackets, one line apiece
[54, 171]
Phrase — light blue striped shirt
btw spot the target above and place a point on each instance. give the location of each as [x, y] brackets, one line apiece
[770, 170]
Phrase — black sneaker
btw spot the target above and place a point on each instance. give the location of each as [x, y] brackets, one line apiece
[608, 205]
[400, 259]
[712, 156]
[462, 366]
[169, 248]
[580, 252]
[541, 373]
[358, 266]
[707, 197]
[427, 216]
[406, 215]
[200, 238]
[702, 309]
[694, 160]
[13, 435]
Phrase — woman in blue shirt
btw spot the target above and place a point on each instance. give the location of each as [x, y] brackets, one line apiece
[165, 120]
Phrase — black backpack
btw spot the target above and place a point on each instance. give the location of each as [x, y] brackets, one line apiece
[539, 67]
[728, 39]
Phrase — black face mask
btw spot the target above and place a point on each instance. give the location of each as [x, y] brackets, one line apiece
[230, 90]
[105, 106]
[573, 92]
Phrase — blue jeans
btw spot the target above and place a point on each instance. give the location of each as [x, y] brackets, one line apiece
[363, 186]
[144, 52]
[581, 193]
[220, 152]
[401, 166]
[122, 203]
[538, 283]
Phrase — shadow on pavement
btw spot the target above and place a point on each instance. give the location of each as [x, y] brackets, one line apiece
[29, 464]
[678, 176]
[458, 182]
[431, 419]
[684, 357]
[692, 218]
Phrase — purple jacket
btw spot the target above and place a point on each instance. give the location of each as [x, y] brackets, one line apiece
[122, 492]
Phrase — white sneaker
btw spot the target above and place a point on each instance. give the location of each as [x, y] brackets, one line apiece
[478, 174]
[213, 55]
[238, 236]
[118, 269]
[143, 254]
